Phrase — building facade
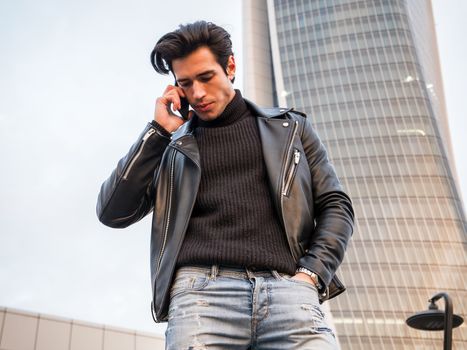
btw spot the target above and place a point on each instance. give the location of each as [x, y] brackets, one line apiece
[367, 74]
[23, 330]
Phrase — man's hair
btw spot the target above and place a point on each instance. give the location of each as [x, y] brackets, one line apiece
[186, 39]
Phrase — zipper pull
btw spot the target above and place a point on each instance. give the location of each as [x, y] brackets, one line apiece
[148, 133]
[296, 156]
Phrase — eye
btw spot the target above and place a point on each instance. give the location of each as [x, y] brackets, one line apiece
[184, 84]
[206, 78]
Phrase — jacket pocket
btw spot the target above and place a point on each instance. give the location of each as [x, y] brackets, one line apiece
[291, 171]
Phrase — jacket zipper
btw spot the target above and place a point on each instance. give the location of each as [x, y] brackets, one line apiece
[289, 148]
[292, 171]
[138, 153]
[166, 230]
[167, 222]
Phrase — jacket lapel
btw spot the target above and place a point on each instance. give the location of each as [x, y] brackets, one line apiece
[275, 134]
[184, 141]
[275, 131]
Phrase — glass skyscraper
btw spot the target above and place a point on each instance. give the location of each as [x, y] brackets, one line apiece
[367, 74]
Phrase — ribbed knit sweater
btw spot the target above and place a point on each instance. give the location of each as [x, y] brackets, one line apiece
[234, 222]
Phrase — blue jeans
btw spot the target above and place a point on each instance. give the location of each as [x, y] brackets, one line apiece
[226, 308]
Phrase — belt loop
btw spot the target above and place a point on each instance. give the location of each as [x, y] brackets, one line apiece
[214, 272]
[276, 275]
[249, 273]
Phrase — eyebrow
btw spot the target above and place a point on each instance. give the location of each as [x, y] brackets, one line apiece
[211, 71]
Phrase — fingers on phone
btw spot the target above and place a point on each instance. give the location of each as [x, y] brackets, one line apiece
[176, 104]
[173, 98]
[181, 92]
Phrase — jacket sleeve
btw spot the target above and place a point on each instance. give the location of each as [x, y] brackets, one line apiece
[127, 195]
[334, 215]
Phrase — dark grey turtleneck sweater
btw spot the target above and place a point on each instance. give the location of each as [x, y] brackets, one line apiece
[234, 221]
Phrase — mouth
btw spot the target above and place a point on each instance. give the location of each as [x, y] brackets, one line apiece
[203, 107]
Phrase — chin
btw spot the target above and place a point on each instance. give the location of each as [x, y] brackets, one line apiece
[208, 116]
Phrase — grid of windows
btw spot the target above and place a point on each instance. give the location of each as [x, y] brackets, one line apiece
[21, 330]
[366, 76]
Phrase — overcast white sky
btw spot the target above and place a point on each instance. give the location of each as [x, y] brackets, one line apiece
[76, 89]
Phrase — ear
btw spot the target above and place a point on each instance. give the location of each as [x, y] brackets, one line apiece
[231, 68]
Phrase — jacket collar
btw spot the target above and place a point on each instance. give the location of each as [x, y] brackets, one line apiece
[185, 129]
[273, 112]
[273, 133]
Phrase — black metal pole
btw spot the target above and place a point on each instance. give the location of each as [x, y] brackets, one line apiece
[447, 318]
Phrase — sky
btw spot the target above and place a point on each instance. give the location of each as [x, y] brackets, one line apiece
[76, 89]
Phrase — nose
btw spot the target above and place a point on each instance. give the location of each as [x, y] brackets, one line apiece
[198, 91]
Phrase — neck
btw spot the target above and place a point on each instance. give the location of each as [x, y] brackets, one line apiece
[234, 110]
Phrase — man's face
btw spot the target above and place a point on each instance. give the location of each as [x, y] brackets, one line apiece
[206, 86]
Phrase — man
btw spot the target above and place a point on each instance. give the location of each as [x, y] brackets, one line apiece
[249, 219]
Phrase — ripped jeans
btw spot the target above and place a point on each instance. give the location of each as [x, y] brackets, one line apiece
[226, 308]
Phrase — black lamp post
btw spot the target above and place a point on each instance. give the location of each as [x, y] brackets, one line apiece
[436, 320]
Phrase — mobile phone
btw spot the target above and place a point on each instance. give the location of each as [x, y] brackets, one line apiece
[185, 106]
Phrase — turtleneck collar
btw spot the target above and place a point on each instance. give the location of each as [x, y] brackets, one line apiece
[234, 111]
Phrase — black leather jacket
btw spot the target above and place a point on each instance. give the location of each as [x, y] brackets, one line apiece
[162, 175]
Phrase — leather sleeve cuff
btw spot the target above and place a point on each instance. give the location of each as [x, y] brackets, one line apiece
[161, 129]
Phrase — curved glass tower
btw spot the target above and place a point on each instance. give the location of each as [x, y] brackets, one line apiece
[368, 76]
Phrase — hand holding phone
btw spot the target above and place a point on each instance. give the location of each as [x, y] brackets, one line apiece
[172, 100]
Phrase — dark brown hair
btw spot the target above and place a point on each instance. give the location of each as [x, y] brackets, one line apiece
[186, 39]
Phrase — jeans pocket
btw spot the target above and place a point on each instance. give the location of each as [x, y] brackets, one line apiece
[300, 282]
[184, 283]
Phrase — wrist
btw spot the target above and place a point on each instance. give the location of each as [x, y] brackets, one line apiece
[313, 276]
[162, 130]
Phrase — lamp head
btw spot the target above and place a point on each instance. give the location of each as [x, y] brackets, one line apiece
[432, 319]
